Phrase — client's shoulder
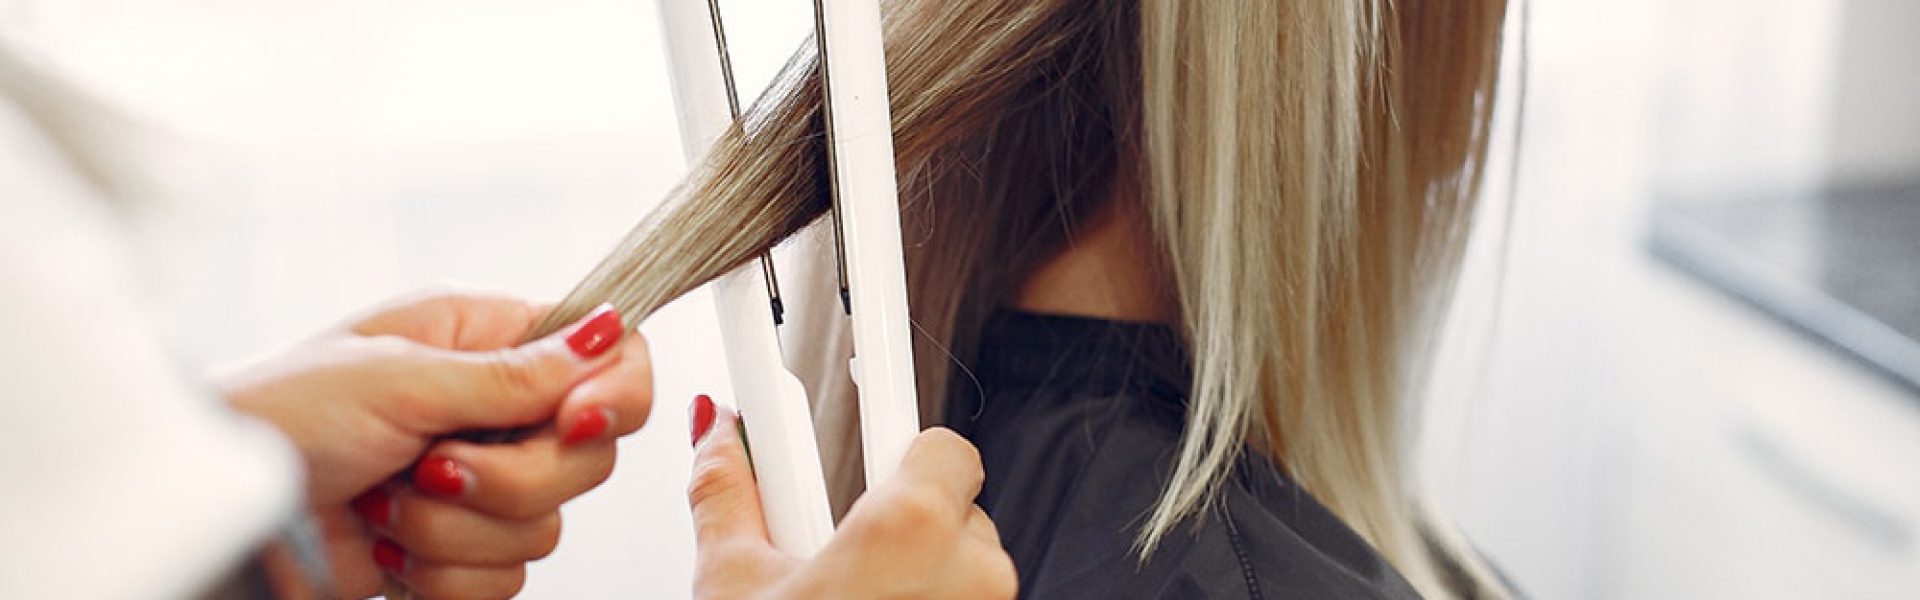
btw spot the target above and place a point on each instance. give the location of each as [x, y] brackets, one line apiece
[1072, 478]
[1079, 424]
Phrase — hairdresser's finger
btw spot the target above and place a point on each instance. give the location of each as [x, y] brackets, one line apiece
[941, 460]
[613, 402]
[984, 571]
[982, 528]
[451, 391]
[440, 531]
[521, 480]
[349, 554]
[726, 504]
[435, 581]
[455, 319]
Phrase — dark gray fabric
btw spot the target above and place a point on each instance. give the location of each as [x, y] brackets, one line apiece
[1078, 421]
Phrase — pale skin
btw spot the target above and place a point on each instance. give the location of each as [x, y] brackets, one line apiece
[1105, 271]
[916, 535]
[364, 400]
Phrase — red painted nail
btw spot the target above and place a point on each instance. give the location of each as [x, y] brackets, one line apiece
[598, 334]
[441, 476]
[700, 417]
[389, 556]
[375, 506]
[589, 425]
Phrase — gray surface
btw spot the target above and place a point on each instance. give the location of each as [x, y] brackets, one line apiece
[1841, 264]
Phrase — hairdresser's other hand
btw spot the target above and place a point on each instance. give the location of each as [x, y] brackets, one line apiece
[365, 401]
[917, 535]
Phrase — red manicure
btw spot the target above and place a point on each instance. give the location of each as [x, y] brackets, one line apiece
[589, 425]
[375, 506]
[700, 416]
[439, 475]
[389, 556]
[598, 334]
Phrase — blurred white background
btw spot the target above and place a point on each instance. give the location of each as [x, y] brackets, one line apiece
[1618, 431]
[317, 157]
[1638, 434]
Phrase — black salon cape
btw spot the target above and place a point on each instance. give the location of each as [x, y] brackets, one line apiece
[1078, 421]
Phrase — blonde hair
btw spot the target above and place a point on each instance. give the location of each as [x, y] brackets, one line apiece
[1310, 169]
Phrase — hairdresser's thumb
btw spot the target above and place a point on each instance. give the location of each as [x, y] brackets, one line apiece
[513, 386]
[721, 491]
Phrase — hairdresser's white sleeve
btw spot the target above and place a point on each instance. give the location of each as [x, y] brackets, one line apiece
[118, 477]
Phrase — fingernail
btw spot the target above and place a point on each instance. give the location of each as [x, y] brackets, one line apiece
[440, 476]
[375, 506]
[700, 417]
[589, 425]
[389, 556]
[598, 334]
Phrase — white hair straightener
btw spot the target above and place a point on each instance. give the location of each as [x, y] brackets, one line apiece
[870, 259]
[866, 225]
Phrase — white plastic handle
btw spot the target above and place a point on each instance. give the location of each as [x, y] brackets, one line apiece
[864, 178]
[786, 461]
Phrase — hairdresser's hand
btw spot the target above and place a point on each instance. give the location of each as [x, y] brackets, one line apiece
[917, 535]
[369, 399]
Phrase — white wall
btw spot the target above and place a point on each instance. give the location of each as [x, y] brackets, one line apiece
[1876, 117]
[1636, 433]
